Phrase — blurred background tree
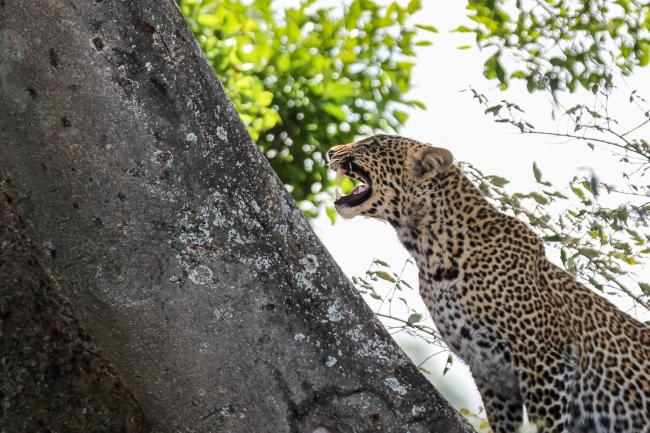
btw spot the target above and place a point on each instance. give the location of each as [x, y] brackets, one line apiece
[560, 44]
[306, 78]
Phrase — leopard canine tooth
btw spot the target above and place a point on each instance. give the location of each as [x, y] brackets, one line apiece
[338, 195]
[340, 174]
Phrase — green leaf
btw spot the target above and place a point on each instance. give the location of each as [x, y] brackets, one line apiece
[331, 214]
[293, 31]
[385, 276]
[553, 238]
[537, 173]
[334, 110]
[401, 116]
[448, 364]
[462, 29]
[284, 62]
[415, 103]
[539, 198]
[338, 90]
[494, 110]
[498, 181]
[489, 67]
[427, 28]
[210, 21]
[645, 288]
[414, 318]
[577, 191]
[595, 283]
[644, 57]
[346, 185]
[414, 6]
[589, 252]
[265, 98]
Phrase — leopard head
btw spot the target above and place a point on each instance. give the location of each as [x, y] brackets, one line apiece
[392, 172]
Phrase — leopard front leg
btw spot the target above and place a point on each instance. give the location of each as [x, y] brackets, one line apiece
[504, 408]
[545, 393]
[546, 409]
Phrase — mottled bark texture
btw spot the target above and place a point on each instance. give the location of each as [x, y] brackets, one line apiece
[52, 377]
[178, 248]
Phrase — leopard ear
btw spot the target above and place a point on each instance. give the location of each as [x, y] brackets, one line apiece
[429, 161]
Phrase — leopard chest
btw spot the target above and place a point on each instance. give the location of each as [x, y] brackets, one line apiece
[467, 334]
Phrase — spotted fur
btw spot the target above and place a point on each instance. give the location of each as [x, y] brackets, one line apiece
[531, 334]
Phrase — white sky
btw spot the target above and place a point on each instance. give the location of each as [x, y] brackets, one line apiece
[456, 121]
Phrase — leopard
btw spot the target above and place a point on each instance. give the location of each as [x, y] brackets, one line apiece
[538, 343]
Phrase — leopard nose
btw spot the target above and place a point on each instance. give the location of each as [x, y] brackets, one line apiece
[330, 154]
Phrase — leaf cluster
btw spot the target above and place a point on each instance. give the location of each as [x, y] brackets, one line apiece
[560, 44]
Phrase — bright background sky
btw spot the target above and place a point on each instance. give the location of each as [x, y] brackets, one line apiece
[455, 121]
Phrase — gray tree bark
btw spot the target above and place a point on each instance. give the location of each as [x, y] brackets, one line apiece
[132, 190]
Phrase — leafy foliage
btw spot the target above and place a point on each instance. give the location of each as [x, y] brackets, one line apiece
[306, 78]
[561, 44]
[387, 292]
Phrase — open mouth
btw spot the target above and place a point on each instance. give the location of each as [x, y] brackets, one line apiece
[361, 192]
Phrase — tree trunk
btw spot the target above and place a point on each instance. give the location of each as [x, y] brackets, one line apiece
[211, 304]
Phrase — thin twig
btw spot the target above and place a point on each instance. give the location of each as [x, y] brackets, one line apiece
[636, 127]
